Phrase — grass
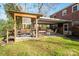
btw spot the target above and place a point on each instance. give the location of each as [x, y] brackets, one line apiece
[46, 46]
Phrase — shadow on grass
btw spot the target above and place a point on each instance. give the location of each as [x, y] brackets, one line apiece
[73, 38]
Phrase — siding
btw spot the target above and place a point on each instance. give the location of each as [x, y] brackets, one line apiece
[70, 15]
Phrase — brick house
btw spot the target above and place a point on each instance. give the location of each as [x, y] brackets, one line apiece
[69, 13]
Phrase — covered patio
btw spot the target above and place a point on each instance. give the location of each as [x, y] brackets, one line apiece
[55, 24]
[32, 26]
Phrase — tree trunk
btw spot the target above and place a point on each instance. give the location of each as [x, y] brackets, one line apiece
[7, 35]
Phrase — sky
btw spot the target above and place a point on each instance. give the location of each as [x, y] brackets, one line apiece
[30, 8]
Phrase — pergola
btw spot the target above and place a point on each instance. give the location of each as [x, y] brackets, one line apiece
[28, 15]
[37, 18]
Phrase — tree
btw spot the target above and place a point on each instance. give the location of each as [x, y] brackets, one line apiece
[45, 8]
[5, 27]
[9, 24]
[11, 7]
[2, 22]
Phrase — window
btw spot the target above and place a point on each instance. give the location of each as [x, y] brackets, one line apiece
[64, 12]
[65, 27]
[75, 8]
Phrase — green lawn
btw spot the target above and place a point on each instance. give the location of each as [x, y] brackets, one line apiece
[46, 46]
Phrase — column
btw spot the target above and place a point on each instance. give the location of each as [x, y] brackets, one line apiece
[14, 28]
[36, 28]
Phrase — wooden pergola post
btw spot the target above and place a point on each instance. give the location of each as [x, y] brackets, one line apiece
[36, 28]
[14, 28]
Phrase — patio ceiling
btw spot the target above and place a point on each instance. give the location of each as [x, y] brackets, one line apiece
[47, 20]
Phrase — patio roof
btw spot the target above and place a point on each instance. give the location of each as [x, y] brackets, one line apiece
[25, 14]
[48, 20]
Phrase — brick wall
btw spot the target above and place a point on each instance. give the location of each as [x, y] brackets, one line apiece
[70, 15]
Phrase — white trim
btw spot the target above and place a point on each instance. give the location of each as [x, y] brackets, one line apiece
[74, 6]
[65, 32]
[64, 12]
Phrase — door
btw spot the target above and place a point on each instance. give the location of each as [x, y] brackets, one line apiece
[65, 28]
